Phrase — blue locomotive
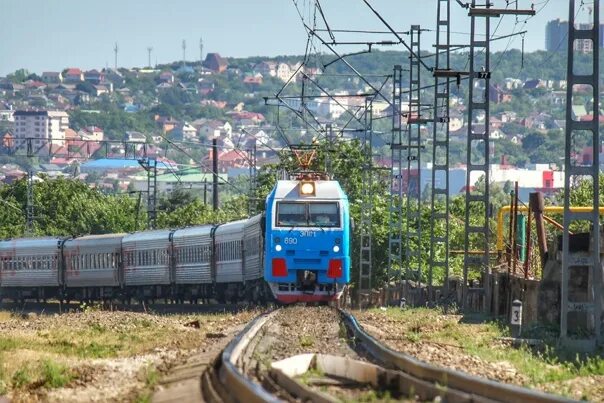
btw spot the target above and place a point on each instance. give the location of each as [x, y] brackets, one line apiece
[302, 243]
[307, 241]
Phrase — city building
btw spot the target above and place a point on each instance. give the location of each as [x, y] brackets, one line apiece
[556, 37]
[215, 62]
[44, 127]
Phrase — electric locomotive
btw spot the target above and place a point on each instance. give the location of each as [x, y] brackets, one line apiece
[307, 240]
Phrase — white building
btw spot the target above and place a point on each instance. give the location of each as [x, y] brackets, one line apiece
[283, 71]
[44, 127]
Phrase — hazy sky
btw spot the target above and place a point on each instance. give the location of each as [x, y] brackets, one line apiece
[47, 35]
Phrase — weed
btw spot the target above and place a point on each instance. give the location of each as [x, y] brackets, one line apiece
[311, 373]
[98, 328]
[55, 375]
[343, 332]
[2, 375]
[92, 307]
[413, 337]
[7, 343]
[21, 377]
[144, 323]
[151, 378]
[307, 341]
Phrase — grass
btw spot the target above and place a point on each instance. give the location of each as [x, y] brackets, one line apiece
[312, 373]
[55, 375]
[547, 368]
[151, 379]
[44, 349]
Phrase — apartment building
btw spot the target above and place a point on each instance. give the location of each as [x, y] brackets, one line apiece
[44, 127]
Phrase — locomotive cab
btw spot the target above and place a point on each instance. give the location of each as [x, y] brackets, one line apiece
[307, 240]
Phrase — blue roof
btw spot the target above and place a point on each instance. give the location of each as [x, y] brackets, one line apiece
[106, 163]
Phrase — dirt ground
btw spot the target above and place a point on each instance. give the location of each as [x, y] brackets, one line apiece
[99, 355]
[477, 348]
[298, 330]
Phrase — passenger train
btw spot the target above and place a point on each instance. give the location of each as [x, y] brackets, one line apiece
[298, 250]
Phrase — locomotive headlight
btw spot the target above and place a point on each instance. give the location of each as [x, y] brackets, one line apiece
[278, 248]
[307, 188]
[336, 249]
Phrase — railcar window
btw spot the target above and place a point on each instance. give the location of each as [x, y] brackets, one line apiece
[310, 214]
[291, 214]
[323, 214]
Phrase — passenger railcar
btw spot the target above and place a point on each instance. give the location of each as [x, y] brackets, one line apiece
[307, 240]
[92, 266]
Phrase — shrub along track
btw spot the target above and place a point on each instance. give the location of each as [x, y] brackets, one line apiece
[242, 372]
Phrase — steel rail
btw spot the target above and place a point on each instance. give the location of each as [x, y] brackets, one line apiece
[474, 385]
[239, 387]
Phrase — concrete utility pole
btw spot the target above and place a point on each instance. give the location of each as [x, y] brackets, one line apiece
[200, 50]
[149, 50]
[115, 50]
[184, 52]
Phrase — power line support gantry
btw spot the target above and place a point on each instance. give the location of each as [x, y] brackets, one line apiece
[476, 234]
[413, 191]
[581, 318]
[395, 235]
[366, 253]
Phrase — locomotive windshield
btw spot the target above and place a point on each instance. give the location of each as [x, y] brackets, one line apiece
[311, 214]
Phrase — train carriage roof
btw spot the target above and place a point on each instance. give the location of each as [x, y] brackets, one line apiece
[231, 227]
[95, 240]
[24, 246]
[323, 190]
[196, 231]
[152, 237]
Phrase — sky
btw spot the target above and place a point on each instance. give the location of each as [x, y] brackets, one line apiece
[50, 35]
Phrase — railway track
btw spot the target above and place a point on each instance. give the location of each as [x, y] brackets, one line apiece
[362, 365]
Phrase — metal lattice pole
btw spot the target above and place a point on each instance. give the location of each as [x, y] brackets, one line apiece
[366, 255]
[328, 164]
[252, 202]
[29, 228]
[395, 235]
[413, 192]
[439, 203]
[478, 153]
[478, 149]
[150, 165]
[585, 330]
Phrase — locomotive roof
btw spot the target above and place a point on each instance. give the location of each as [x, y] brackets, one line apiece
[323, 190]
